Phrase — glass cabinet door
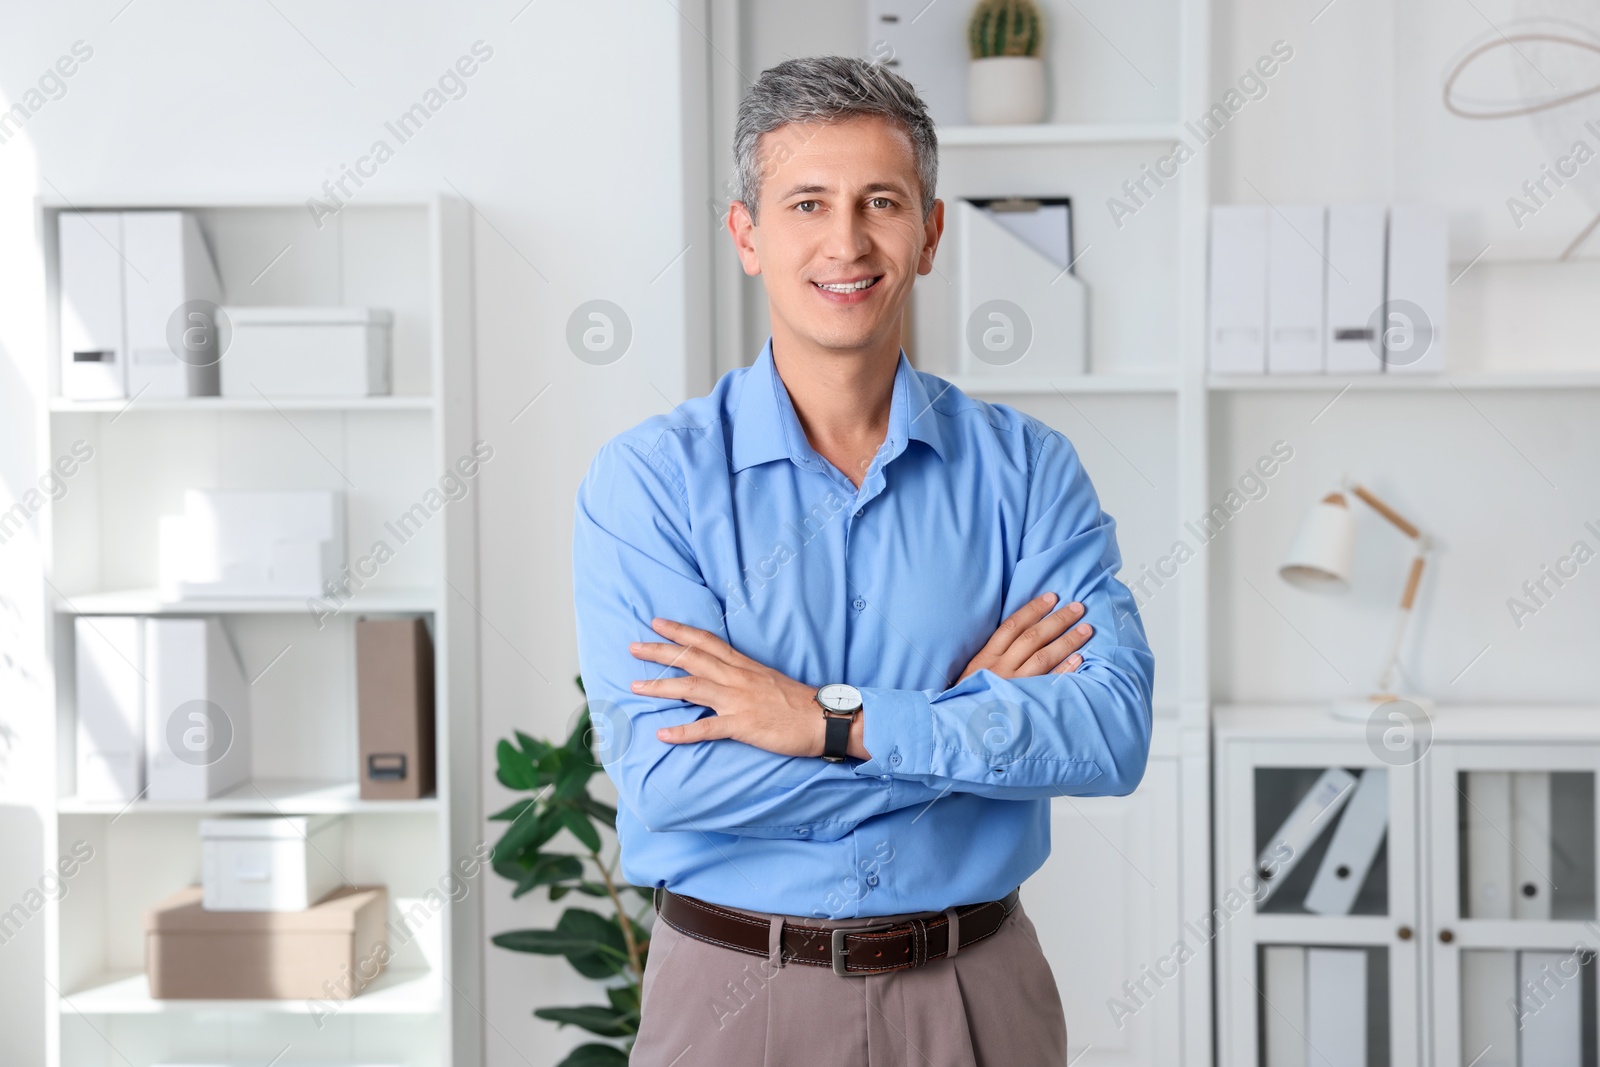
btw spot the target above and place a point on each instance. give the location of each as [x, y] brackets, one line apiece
[1512, 834]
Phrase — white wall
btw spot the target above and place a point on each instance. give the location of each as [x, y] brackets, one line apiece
[569, 143]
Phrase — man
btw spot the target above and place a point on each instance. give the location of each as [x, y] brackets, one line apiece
[834, 761]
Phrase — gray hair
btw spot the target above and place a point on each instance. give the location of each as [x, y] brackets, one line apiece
[823, 89]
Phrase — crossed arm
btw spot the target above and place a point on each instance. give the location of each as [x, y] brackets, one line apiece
[673, 754]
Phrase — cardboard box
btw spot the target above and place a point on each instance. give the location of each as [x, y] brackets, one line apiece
[330, 951]
[394, 699]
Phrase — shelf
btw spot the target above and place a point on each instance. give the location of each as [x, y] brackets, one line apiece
[149, 602]
[1468, 380]
[394, 993]
[231, 404]
[975, 385]
[1066, 133]
[265, 797]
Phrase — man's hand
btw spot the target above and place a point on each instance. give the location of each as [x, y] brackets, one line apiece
[753, 703]
[1034, 641]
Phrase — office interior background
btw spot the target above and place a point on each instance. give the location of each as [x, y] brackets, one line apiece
[549, 170]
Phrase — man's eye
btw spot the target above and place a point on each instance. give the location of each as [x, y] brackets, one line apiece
[881, 201]
[807, 206]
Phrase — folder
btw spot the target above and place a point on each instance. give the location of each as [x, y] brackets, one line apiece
[197, 725]
[1295, 288]
[1551, 1010]
[926, 44]
[395, 708]
[92, 354]
[1023, 313]
[110, 699]
[1489, 827]
[1354, 846]
[1283, 1016]
[1336, 1006]
[1419, 253]
[1530, 845]
[168, 266]
[1236, 333]
[1357, 257]
[1310, 817]
[1488, 995]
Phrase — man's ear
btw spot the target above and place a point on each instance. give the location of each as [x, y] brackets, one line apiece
[932, 230]
[741, 227]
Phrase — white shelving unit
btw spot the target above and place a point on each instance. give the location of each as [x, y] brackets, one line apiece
[413, 256]
[1125, 873]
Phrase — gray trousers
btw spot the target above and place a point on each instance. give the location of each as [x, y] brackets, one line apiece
[994, 1005]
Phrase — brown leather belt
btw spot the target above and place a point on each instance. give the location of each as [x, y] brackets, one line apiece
[859, 950]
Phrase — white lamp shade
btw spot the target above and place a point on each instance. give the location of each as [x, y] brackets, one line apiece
[1320, 557]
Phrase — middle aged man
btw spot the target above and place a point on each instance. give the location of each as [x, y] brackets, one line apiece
[866, 594]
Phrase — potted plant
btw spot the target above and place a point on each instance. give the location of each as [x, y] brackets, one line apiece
[610, 947]
[1005, 80]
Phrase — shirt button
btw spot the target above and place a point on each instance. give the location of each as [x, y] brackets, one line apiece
[803, 831]
[894, 759]
[859, 511]
[885, 777]
[872, 879]
[859, 603]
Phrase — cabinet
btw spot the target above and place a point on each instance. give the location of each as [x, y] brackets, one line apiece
[1476, 916]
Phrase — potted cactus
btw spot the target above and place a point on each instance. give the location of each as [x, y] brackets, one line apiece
[1005, 81]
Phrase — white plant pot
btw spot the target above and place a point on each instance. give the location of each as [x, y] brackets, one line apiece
[1005, 90]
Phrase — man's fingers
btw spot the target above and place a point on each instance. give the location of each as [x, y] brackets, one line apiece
[1039, 636]
[1057, 653]
[707, 729]
[696, 661]
[690, 689]
[694, 637]
[1015, 624]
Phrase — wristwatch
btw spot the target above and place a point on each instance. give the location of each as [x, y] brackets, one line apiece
[840, 703]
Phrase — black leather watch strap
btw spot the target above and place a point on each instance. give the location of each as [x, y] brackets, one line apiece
[836, 742]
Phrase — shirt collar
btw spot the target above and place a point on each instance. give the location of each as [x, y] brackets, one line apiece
[765, 426]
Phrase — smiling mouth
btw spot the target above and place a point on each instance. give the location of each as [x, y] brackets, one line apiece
[849, 287]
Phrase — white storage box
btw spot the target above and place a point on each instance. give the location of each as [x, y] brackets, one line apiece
[270, 864]
[197, 710]
[245, 543]
[307, 351]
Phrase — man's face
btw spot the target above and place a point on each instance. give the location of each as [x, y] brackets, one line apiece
[841, 234]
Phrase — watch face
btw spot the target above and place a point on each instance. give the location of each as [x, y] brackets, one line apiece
[839, 697]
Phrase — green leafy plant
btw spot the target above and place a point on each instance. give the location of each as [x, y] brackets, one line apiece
[1005, 28]
[607, 947]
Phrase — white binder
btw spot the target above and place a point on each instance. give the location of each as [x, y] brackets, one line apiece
[173, 267]
[110, 699]
[1419, 253]
[1530, 839]
[1552, 1013]
[1236, 332]
[994, 264]
[1354, 846]
[1357, 255]
[1295, 263]
[1311, 816]
[1336, 1006]
[1283, 1022]
[197, 725]
[925, 43]
[1489, 829]
[92, 354]
[1488, 991]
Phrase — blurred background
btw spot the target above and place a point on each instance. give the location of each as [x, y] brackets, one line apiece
[494, 235]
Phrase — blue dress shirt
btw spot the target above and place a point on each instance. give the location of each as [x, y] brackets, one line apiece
[721, 515]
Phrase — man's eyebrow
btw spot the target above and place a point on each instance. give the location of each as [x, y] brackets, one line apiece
[870, 187]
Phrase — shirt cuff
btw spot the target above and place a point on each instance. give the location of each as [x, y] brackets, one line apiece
[897, 729]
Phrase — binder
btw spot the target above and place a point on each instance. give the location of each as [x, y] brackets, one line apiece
[1310, 817]
[92, 354]
[1419, 252]
[1488, 992]
[1551, 1011]
[925, 43]
[1530, 840]
[197, 725]
[173, 268]
[1357, 257]
[1236, 333]
[1336, 1006]
[1283, 985]
[1295, 287]
[395, 708]
[1355, 845]
[1489, 827]
[994, 264]
[110, 699]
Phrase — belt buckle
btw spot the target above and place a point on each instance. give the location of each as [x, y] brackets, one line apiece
[841, 952]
